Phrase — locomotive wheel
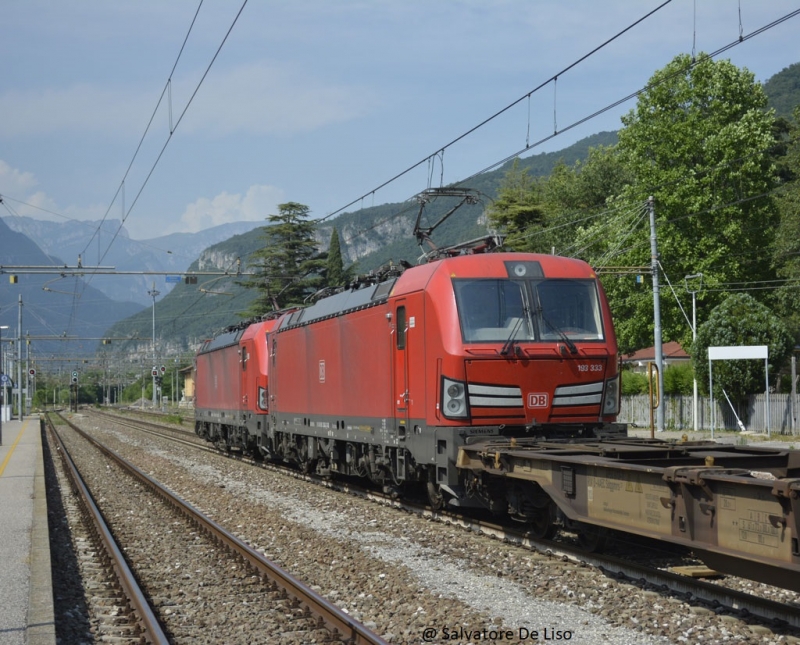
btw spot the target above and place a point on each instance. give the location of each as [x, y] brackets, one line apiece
[592, 539]
[435, 496]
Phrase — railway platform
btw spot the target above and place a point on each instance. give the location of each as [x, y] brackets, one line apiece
[26, 591]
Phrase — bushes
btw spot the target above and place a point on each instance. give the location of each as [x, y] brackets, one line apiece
[677, 380]
[633, 383]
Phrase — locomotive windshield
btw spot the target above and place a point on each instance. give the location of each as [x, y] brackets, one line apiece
[569, 307]
[499, 310]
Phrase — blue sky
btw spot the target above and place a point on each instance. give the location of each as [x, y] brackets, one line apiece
[319, 101]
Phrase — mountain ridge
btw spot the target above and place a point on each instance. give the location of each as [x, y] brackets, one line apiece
[53, 306]
[171, 253]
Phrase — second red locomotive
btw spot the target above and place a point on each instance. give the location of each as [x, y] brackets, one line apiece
[389, 379]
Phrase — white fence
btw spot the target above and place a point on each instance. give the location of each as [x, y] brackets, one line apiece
[635, 410]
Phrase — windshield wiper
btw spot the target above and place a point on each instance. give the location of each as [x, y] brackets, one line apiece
[510, 342]
[572, 347]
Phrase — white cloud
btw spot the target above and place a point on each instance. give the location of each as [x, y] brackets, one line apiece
[255, 205]
[13, 181]
[21, 198]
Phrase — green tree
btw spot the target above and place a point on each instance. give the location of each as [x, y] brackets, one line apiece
[699, 142]
[288, 267]
[741, 320]
[577, 199]
[335, 274]
[518, 210]
[783, 90]
[787, 241]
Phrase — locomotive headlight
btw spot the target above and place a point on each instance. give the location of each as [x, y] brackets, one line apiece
[263, 398]
[611, 396]
[454, 399]
[455, 390]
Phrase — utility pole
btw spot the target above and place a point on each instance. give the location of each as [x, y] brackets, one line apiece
[29, 378]
[656, 315]
[19, 360]
[3, 401]
[154, 292]
[694, 338]
[793, 400]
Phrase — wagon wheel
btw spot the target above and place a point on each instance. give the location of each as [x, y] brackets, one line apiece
[592, 539]
[435, 496]
[542, 522]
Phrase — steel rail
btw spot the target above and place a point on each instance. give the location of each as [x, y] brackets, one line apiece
[700, 592]
[138, 424]
[337, 621]
[703, 593]
[146, 618]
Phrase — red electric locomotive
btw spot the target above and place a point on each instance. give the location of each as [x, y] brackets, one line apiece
[231, 386]
[388, 380]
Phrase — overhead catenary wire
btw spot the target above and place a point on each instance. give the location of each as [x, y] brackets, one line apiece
[576, 218]
[174, 129]
[498, 113]
[627, 98]
[167, 87]
[581, 121]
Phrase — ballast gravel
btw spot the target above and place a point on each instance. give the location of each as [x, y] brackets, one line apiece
[413, 580]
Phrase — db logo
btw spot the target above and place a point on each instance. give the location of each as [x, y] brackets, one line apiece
[537, 400]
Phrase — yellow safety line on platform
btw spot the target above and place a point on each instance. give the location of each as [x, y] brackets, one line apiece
[14, 445]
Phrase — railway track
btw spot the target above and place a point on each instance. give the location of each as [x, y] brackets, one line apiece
[225, 570]
[122, 610]
[772, 614]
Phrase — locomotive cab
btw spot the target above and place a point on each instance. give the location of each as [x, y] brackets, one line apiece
[552, 365]
[527, 349]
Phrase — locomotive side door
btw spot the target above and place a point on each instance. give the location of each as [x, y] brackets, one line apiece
[400, 367]
[245, 354]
